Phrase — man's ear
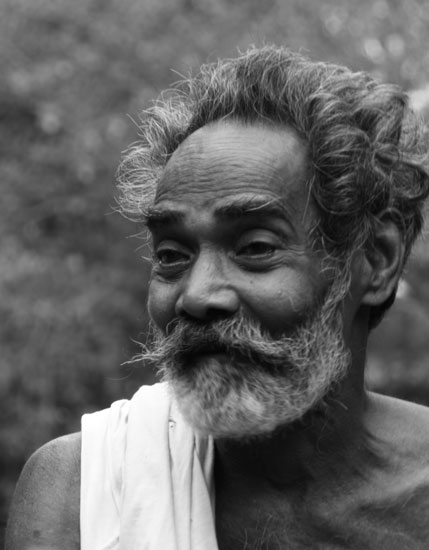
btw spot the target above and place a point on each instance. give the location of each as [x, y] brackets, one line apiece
[384, 258]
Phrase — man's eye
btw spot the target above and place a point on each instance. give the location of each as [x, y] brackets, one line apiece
[170, 257]
[257, 249]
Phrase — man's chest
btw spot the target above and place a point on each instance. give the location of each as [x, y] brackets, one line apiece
[282, 524]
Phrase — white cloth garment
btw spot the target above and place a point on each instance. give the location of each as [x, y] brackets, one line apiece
[147, 478]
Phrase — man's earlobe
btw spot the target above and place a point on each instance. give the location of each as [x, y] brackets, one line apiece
[384, 261]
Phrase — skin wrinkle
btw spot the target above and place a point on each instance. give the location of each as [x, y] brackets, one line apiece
[256, 164]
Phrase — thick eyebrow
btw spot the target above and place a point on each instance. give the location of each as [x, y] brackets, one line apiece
[268, 207]
[162, 216]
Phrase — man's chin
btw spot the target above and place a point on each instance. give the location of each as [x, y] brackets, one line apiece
[210, 360]
[225, 412]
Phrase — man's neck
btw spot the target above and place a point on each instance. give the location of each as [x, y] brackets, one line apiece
[321, 446]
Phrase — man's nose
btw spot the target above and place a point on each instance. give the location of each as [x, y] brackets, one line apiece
[207, 292]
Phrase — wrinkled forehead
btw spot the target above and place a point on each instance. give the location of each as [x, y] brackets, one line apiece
[230, 157]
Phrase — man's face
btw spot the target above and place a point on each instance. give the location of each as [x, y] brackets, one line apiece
[246, 335]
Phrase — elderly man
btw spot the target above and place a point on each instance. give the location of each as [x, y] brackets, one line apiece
[282, 197]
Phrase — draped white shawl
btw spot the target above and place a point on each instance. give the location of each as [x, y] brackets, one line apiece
[147, 478]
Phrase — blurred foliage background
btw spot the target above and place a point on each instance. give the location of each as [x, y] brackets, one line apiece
[74, 75]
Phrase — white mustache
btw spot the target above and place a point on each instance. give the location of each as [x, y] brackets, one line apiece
[241, 338]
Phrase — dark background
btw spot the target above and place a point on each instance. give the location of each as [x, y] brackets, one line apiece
[74, 75]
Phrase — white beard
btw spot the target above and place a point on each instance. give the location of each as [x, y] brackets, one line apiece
[254, 383]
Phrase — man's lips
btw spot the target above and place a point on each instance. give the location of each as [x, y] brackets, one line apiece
[214, 352]
[212, 346]
[207, 350]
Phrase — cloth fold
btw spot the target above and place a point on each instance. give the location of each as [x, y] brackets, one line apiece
[147, 478]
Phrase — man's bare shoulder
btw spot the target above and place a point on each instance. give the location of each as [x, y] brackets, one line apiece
[45, 507]
[403, 423]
